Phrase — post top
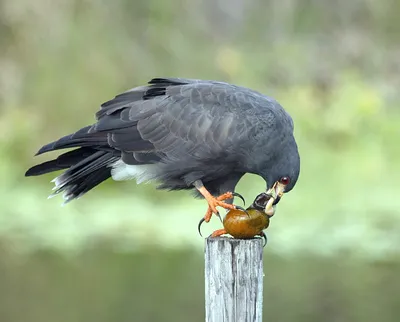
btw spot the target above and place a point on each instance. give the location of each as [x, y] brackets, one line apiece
[234, 241]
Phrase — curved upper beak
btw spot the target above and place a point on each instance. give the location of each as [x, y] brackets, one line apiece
[276, 191]
[279, 190]
[277, 199]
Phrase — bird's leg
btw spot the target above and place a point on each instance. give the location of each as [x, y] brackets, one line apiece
[214, 202]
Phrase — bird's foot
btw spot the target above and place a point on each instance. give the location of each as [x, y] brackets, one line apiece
[214, 202]
[218, 232]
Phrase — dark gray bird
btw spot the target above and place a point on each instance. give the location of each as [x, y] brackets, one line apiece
[184, 134]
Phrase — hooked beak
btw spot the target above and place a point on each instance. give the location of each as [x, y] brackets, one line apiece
[276, 192]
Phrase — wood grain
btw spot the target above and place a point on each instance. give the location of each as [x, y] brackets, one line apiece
[233, 279]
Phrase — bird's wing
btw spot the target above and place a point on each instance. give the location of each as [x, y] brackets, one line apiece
[174, 118]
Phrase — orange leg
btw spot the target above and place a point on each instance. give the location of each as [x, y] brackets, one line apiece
[218, 232]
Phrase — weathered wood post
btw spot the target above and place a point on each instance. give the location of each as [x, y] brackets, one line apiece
[234, 279]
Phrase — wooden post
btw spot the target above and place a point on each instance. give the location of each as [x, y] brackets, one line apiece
[234, 279]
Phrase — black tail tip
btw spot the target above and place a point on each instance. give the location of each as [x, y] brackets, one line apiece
[45, 148]
[31, 172]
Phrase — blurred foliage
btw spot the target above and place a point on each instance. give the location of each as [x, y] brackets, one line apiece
[334, 65]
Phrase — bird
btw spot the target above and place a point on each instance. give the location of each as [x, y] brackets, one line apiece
[183, 134]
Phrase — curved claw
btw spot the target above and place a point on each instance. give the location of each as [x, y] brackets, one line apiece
[263, 236]
[199, 226]
[218, 215]
[235, 194]
[242, 209]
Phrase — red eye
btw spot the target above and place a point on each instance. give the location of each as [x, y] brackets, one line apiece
[285, 180]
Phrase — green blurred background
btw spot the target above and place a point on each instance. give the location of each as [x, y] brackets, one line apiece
[132, 253]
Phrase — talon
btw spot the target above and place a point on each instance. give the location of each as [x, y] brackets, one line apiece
[235, 194]
[207, 218]
[199, 226]
[263, 236]
[242, 209]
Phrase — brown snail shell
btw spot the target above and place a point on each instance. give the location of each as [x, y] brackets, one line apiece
[244, 225]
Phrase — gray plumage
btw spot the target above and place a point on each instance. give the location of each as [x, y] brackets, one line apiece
[187, 130]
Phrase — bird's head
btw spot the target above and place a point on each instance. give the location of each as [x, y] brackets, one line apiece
[282, 176]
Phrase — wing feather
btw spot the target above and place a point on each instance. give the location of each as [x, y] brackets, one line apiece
[178, 118]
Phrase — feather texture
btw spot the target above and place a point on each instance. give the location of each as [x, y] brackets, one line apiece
[177, 131]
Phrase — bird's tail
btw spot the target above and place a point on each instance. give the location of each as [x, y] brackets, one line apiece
[87, 166]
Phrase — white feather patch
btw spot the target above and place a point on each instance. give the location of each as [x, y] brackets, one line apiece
[142, 173]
